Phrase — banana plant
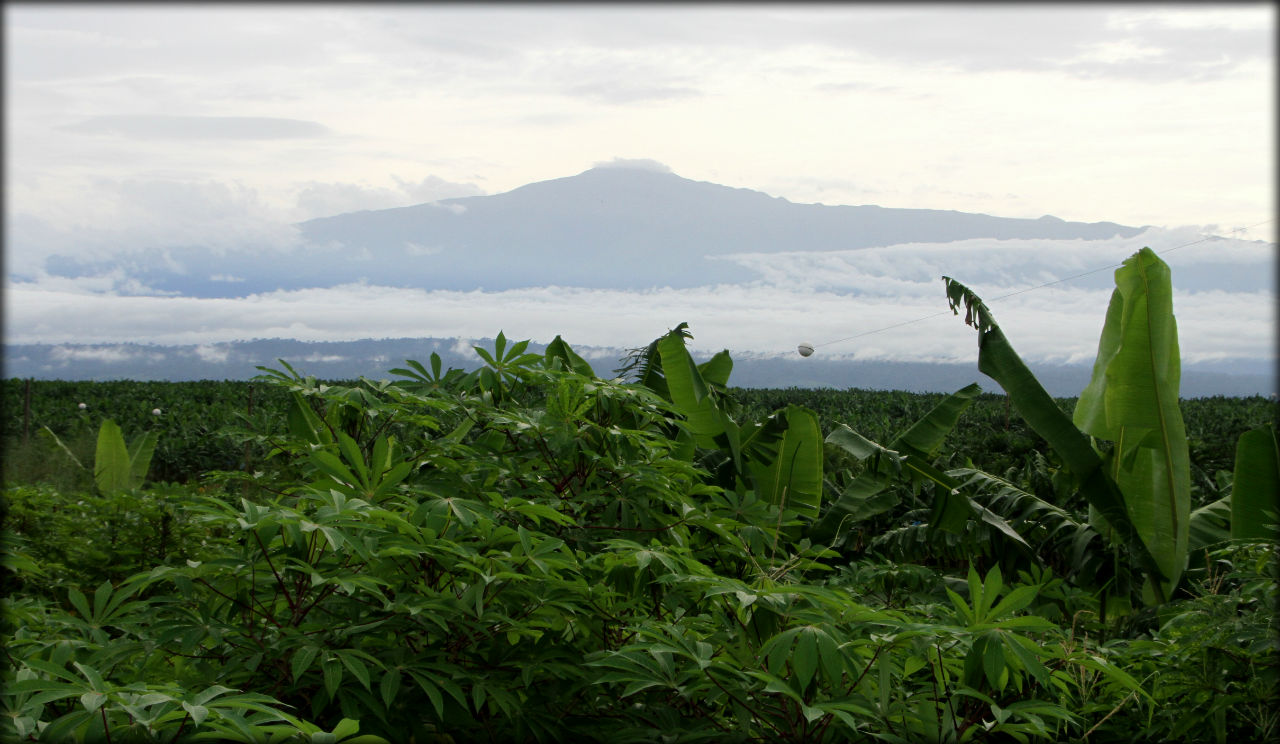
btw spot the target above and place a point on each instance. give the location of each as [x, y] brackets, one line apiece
[780, 458]
[117, 467]
[907, 459]
[1255, 493]
[1138, 490]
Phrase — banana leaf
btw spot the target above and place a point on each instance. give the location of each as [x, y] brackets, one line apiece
[689, 392]
[793, 477]
[1209, 526]
[907, 457]
[998, 360]
[111, 466]
[1255, 497]
[1132, 401]
[558, 349]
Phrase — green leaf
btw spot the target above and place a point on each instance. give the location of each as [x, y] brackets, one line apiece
[962, 607]
[95, 679]
[346, 727]
[1132, 400]
[1016, 600]
[354, 459]
[1209, 525]
[906, 457]
[805, 657]
[332, 675]
[687, 389]
[79, 602]
[301, 661]
[60, 729]
[304, 424]
[993, 662]
[140, 458]
[776, 650]
[93, 700]
[558, 349]
[998, 360]
[111, 466]
[927, 435]
[433, 692]
[197, 712]
[991, 588]
[389, 686]
[793, 478]
[47, 432]
[1255, 497]
[717, 369]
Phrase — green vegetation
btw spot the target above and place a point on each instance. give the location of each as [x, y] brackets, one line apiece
[528, 552]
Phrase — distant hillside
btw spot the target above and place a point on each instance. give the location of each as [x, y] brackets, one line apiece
[375, 357]
[616, 228]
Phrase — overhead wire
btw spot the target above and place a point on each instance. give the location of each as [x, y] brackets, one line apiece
[1039, 286]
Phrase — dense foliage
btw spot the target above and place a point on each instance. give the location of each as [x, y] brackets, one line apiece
[529, 552]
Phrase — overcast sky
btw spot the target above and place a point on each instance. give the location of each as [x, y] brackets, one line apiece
[217, 124]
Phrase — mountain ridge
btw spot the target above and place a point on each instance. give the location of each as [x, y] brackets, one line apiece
[604, 228]
[373, 358]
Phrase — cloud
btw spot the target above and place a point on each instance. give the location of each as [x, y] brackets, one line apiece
[160, 126]
[110, 354]
[993, 267]
[414, 249]
[620, 91]
[122, 220]
[853, 317]
[317, 199]
[645, 164]
[96, 219]
[212, 353]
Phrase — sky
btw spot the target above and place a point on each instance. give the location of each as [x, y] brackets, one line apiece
[214, 126]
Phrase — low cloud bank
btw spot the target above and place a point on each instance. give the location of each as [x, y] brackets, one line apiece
[883, 304]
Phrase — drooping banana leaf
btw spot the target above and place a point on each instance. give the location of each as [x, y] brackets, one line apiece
[925, 436]
[715, 371]
[1132, 401]
[1255, 497]
[998, 360]
[1209, 526]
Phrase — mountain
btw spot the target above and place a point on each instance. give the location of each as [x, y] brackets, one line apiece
[373, 358]
[612, 227]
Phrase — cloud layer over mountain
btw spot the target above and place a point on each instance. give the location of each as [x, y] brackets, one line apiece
[636, 250]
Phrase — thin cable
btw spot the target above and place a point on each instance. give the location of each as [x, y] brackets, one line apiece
[1040, 286]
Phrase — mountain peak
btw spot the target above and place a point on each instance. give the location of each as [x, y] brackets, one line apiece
[643, 164]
